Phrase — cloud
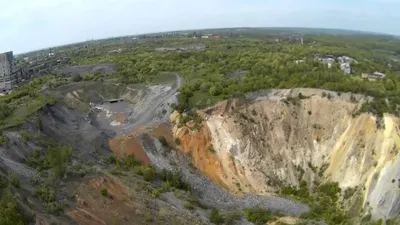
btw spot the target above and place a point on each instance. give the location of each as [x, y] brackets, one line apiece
[34, 24]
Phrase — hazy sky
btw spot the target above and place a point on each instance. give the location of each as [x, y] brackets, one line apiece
[33, 24]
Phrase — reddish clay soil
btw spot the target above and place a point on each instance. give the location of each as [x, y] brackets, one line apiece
[126, 145]
[118, 207]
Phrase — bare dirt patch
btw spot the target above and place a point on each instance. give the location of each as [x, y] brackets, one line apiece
[126, 145]
[117, 207]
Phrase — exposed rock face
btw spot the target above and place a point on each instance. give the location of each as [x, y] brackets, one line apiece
[270, 139]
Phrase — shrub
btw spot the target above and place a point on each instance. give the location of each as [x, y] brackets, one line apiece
[104, 192]
[86, 77]
[57, 157]
[54, 208]
[110, 159]
[3, 182]
[148, 174]
[174, 180]
[211, 149]
[215, 217]
[76, 78]
[131, 162]
[166, 186]
[258, 216]
[5, 110]
[178, 194]
[3, 139]
[330, 189]
[24, 135]
[188, 205]
[155, 194]
[301, 96]
[44, 194]
[231, 218]
[14, 181]
[9, 210]
[138, 170]
[163, 141]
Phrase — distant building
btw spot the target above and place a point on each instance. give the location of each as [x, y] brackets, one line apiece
[373, 76]
[7, 72]
[329, 61]
[346, 59]
[205, 37]
[346, 68]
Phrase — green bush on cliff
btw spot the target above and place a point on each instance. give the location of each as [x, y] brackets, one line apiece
[9, 210]
[215, 217]
[258, 216]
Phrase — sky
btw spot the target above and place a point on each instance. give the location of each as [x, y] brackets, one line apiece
[27, 25]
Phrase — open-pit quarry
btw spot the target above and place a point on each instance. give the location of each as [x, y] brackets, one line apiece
[239, 156]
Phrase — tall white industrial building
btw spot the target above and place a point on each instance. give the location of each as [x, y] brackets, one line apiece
[8, 74]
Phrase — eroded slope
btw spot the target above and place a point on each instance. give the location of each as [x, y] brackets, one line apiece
[278, 138]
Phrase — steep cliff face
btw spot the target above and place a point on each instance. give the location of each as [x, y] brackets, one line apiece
[280, 137]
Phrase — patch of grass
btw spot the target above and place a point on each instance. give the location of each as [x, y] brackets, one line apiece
[188, 205]
[14, 181]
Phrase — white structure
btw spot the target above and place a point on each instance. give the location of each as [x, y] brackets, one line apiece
[346, 68]
[373, 76]
[329, 61]
[205, 37]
